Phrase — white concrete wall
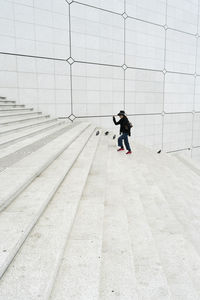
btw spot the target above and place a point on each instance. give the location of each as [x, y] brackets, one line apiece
[94, 57]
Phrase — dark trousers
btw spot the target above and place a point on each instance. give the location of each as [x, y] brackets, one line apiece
[124, 137]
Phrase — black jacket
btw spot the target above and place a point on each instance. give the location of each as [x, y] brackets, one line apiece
[124, 125]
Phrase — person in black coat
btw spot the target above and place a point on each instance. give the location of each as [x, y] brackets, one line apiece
[125, 131]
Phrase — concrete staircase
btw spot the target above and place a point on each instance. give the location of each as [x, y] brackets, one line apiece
[79, 220]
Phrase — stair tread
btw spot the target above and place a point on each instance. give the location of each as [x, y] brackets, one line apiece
[21, 119]
[58, 217]
[11, 105]
[11, 184]
[14, 110]
[26, 133]
[22, 126]
[23, 114]
[6, 101]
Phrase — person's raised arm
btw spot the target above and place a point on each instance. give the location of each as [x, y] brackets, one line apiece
[114, 120]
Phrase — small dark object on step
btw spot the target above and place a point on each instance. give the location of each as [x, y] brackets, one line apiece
[107, 132]
[159, 152]
[97, 133]
[114, 136]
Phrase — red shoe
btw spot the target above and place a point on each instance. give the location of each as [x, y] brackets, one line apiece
[129, 152]
[120, 149]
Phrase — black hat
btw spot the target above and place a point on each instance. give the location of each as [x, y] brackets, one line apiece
[121, 113]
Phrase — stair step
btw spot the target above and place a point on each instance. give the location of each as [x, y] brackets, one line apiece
[22, 119]
[14, 110]
[2, 97]
[85, 240]
[2, 106]
[6, 101]
[29, 133]
[11, 185]
[4, 130]
[26, 147]
[54, 224]
[19, 114]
